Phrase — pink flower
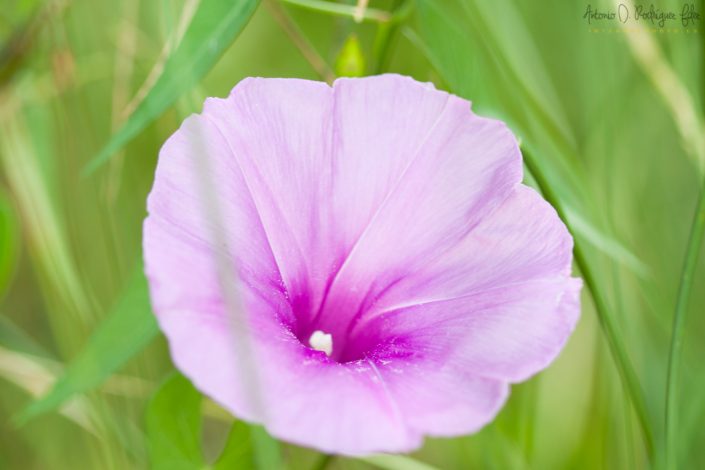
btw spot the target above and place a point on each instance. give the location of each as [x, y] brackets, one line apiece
[393, 275]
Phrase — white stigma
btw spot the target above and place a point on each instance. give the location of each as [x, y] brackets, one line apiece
[321, 341]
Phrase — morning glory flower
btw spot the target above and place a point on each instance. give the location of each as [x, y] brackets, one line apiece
[355, 267]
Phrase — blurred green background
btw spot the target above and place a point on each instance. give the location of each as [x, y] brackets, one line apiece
[611, 125]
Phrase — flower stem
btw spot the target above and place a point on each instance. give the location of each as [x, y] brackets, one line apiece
[695, 239]
[625, 368]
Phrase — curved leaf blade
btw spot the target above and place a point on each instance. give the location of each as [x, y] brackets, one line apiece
[214, 26]
[9, 242]
[15, 339]
[129, 328]
[238, 453]
[174, 426]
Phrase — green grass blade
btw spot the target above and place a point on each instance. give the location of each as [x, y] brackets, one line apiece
[476, 59]
[513, 47]
[695, 240]
[238, 454]
[624, 365]
[9, 242]
[648, 55]
[214, 26]
[44, 230]
[606, 244]
[266, 448]
[14, 339]
[129, 328]
[174, 426]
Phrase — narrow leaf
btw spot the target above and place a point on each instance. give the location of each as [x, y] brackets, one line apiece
[250, 446]
[238, 454]
[128, 329]
[685, 287]
[462, 42]
[15, 339]
[214, 26]
[174, 426]
[267, 452]
[605, 243]
[9, 242]
[608, 324]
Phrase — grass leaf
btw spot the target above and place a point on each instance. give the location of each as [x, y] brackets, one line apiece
[9, 242]
[618, 350]
[249, 446]
[238, 454]
[606, 244]
[43, 230]
[480, 63]
[129, 327]
[15, 339]
[266, 448]
[174, 426]
[214, 26]
[697, 233]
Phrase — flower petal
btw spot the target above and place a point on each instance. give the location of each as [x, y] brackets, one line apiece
[278, 133]
[357, 408]
[436, 181]
[508, 334]
[185, 225]
[299, 394]
[522, 240]
[502, 300]
[333, 185]
[439, 397]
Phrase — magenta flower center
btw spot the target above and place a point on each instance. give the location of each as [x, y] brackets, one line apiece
[347, 323]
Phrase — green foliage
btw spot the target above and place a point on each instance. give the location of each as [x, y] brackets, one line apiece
[9, 242]
[174, 426]
[675, 365]
[214, 26]
[237, 454]
[124, 333]
[266, 449]
[13, 338]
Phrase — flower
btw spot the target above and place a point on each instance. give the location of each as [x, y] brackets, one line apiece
[390, 274]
